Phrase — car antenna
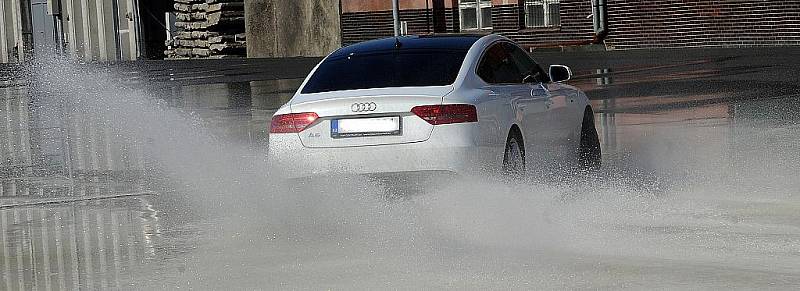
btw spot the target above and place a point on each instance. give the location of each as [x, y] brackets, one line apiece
[397, 43]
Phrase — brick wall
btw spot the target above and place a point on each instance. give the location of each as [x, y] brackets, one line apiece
[362, 26]
[635, 24]
[575, 27]
[632, 24]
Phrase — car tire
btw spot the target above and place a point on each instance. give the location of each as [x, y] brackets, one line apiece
[589, 151]
[514, 157]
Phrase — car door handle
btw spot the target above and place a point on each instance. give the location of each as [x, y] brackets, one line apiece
[539, 90]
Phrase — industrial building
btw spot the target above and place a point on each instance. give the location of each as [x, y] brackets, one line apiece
[105, 30]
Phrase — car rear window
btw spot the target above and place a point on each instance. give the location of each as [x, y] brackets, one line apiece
[385, 69]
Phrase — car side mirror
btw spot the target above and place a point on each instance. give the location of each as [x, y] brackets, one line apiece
[560, 73]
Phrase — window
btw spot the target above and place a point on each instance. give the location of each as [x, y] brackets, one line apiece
[498, 66]
[475, 14]
[542, 13]
[506, 63]
[525, 65]
[385, 69]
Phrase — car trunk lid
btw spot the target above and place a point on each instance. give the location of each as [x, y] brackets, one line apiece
[367, 117]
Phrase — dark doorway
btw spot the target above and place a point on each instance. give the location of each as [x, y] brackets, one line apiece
[153, 28]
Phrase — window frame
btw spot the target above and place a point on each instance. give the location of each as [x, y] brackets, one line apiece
[482, 59]
[548, 16]
[478, 5]
[543, 78]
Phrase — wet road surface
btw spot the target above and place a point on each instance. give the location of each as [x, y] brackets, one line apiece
[699, 189]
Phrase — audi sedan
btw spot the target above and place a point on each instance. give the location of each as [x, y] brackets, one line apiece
[418, 104]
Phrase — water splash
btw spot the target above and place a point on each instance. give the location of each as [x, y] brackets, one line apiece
[705, 195]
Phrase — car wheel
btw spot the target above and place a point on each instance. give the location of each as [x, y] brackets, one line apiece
[589, 152]
[514, 157]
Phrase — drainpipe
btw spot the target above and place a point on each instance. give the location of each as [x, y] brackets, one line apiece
[396, 16]
[599, 16]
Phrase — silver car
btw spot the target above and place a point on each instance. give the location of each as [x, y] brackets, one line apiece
[460, 104]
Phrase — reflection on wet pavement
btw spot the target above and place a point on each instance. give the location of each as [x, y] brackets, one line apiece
[88, 245]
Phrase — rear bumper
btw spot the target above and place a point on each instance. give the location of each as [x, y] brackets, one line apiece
[450, 149]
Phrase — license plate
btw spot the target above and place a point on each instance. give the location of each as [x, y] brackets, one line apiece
[374, 126]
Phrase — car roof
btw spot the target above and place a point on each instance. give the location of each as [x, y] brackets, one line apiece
[444, 42]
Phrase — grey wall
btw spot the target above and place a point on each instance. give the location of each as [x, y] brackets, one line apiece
[11, 42]
[277, 28]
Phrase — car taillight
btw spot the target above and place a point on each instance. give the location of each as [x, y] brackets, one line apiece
[292, 122]
[447, 113]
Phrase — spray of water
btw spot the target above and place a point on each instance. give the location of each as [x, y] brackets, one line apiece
[700, 195]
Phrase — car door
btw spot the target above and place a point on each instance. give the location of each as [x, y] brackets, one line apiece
[536, 118]
[565, 121]
[507, 97]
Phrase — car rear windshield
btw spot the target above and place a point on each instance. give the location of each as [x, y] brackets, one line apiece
[385, 69]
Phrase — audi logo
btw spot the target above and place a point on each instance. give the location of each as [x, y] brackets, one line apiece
[364, 107]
